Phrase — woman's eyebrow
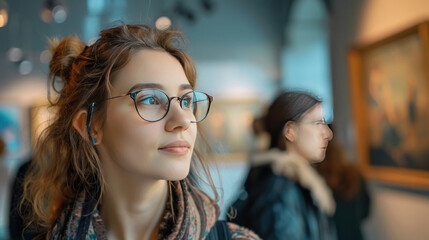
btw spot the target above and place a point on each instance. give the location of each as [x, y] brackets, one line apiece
[185, 86]
[145, 85]
[139, 86]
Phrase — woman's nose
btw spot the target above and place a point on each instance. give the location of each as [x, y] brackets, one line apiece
[177, 118]
[328, 133]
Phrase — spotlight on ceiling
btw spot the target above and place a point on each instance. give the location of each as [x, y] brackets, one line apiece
[54, 10]
[15, 54]
[25, 67]
[45, 56]
[163, 23]
[3, 13]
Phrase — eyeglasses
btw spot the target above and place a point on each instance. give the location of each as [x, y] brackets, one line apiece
[153, 104]
[317, 122]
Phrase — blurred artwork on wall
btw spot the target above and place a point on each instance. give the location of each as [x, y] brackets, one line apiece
[13, 130]
[228, 127]
[390, 90]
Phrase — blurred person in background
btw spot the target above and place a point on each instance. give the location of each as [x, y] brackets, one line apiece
[118, 160]
[350, 192]
[283, 196]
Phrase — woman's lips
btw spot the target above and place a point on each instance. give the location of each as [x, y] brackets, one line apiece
[178, 147]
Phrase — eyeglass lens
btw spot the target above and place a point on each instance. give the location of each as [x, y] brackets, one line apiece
[153, 104]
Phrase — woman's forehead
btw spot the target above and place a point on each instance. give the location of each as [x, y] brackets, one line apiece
[316, 112]
[150, 66]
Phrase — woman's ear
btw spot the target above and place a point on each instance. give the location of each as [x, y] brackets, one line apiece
[79, 123]
[289, 131]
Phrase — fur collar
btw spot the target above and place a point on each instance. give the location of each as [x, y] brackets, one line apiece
[295, 167]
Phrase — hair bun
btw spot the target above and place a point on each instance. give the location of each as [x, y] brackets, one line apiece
[63, 54]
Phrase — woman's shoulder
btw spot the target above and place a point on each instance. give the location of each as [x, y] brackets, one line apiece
[263, 183]
[241, 233]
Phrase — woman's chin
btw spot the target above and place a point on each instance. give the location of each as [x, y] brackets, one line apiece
[177, 175]
[317, 160]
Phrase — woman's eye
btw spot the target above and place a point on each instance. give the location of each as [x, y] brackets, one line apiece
[187, 102]
[149, 100]
[321, 122]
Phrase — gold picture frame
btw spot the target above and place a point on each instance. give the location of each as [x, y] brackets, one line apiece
[389, 85]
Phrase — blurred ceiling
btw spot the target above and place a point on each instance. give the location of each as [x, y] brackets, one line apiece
[215, 23]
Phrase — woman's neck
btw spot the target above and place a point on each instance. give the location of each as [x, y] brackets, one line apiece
[132, 210]
[293, 152]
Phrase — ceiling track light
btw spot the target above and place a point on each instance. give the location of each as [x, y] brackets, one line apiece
[207, 5]
[184, 12]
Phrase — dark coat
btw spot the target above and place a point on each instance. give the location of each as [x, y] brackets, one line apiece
[17, 229]
[276, 207]
[350, 213]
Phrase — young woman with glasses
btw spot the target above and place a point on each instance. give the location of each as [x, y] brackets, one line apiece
[283, 196]
[122, 157]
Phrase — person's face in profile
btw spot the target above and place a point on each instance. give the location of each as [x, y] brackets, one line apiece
[313, 135]
[133, 146]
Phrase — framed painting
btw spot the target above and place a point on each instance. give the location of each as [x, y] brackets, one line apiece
[389, 82]
[14, 131]
[228, 127]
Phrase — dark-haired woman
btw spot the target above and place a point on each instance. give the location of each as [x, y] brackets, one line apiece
[120, 160]
[283, 196]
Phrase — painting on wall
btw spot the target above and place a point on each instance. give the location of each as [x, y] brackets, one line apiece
[390, 96]
[228, 127]
[13, 131]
